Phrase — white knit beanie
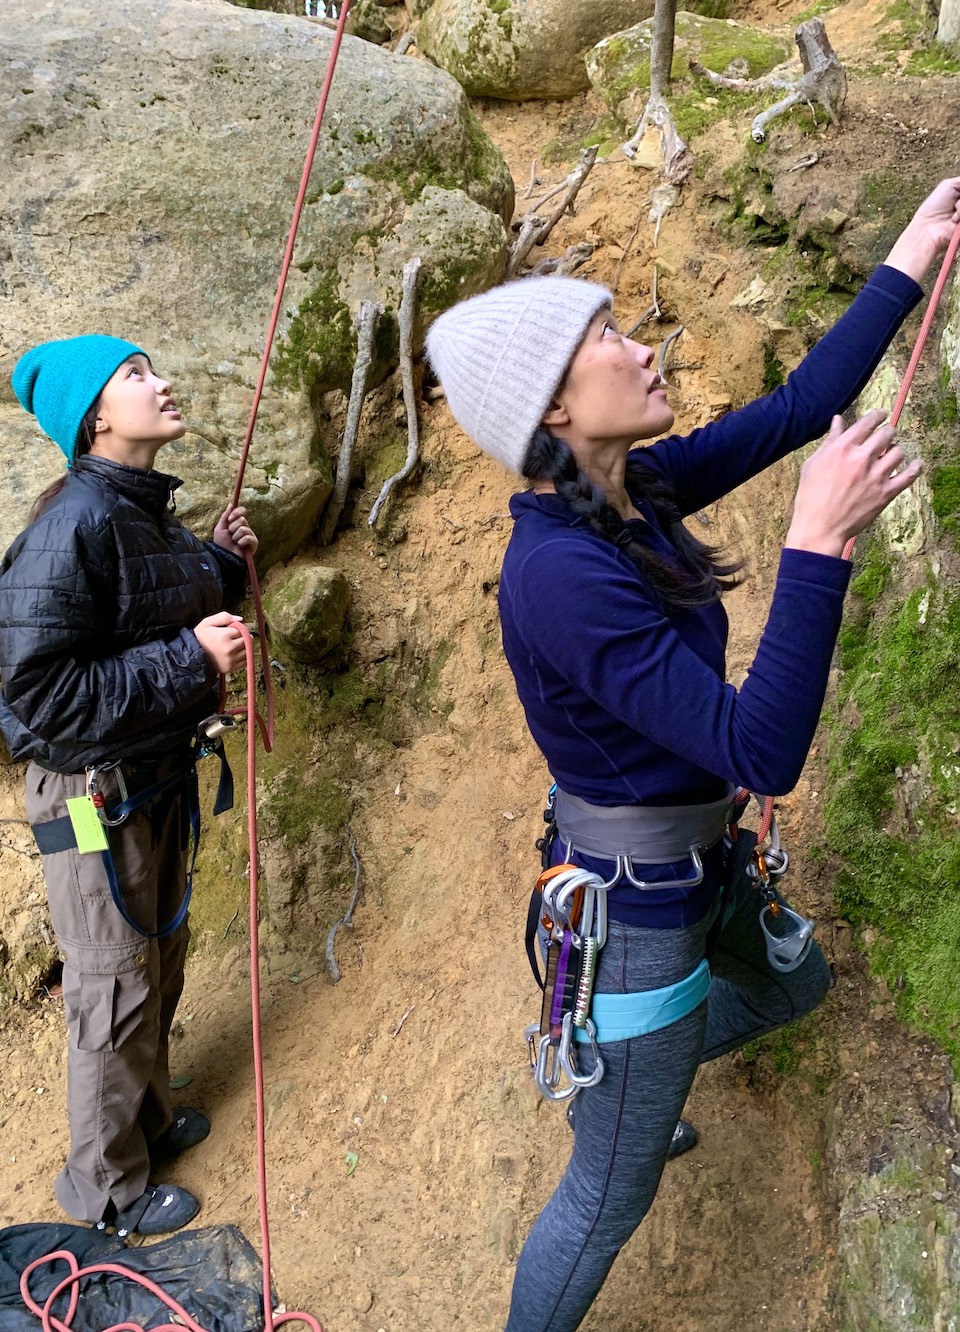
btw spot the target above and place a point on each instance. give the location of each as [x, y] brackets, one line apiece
[501, 355]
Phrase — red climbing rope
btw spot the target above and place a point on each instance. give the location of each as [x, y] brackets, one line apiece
[255, 724]
[911, 370]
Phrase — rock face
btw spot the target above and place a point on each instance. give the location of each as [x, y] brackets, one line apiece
[305, 605]
[519, 49]
[147, 183]
[619, 66]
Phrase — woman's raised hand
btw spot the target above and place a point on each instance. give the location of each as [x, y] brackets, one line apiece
[852, 476]
[928, 232]
[222, 641]
[234, 533]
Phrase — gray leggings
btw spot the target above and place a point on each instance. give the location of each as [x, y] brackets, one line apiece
[623, 1126]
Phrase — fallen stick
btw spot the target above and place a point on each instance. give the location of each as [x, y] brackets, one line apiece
[368, 317]
[573, 257]
[535, 230]
[408, 303]
[652, 311]
[345, 920]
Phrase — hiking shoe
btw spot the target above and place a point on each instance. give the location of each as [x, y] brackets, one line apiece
[188, 1128]
[684, 1137]
[160, 1209]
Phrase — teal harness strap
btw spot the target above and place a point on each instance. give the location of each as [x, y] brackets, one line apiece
[618, 1017]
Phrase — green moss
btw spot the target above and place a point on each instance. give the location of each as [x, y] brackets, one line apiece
[932, 60]
[940, 411]
[945, 497]
[320, 346]
[895, 788]
[815, 10]
[782, 1052]
[717, 9]
[773, 372]
[887, 198]
[699, 109]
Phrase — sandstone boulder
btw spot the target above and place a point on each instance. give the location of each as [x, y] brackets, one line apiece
[519, 49]
[305, 605]
[149, 169]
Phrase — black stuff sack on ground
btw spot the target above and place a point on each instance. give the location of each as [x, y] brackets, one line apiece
[213, 1273]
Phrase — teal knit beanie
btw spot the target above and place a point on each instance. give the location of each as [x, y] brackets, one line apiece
[60, 381]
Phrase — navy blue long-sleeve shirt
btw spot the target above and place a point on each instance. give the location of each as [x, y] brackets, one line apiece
[630, 705]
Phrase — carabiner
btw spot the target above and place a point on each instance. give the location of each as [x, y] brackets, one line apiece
[97, 798]
[546, 1072]
[565, 1053]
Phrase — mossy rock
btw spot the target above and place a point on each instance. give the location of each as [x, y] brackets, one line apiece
[898, 1246]
[305, 605]
[619, 66]
[517, 50]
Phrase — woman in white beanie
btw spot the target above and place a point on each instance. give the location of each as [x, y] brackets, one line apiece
[614, 629]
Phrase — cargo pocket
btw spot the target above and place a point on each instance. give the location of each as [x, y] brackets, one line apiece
[110, 1007]
[96, 1003]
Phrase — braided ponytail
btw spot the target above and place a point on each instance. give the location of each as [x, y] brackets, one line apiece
[698, 578]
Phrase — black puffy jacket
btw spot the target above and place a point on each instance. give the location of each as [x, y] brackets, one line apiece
[98, 600]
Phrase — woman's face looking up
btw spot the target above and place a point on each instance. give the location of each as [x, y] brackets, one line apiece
[611, 392]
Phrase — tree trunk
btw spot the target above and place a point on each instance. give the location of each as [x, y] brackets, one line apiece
[948, 27]
[661, 50]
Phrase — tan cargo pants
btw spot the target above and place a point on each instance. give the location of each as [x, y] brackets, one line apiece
[120, 990]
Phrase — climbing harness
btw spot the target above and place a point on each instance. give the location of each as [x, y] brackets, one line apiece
[569, 907]
[180, 1318]
[73, 831]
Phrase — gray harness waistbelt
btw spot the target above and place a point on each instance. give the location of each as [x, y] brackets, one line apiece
[646, 834]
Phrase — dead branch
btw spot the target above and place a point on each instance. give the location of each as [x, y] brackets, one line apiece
[771, 80]
[662, 200]
[346, 920]
[626, 250]
[406, 41]
[534, 230]
[824, 80]
[662, 363]
[408, 303]
[573, 257]
[534, 179]
[366, 322]
[652, 311]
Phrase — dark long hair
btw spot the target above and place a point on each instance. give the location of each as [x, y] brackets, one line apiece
[695, 579]
[85, 437]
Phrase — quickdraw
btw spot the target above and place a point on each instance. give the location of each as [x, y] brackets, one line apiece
[574, 915]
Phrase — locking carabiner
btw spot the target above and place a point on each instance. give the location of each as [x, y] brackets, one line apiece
[98, 799]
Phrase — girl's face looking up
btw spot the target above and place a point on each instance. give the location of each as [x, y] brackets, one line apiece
[611, 393]
[136, 413]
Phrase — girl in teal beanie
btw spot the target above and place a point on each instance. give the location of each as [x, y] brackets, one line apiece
[114, 630]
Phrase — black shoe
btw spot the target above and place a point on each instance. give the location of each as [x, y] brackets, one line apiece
[188, 1128]
[160, 1209]
[684, 1137]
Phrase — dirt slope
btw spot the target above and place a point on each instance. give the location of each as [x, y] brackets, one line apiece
[415, 1062]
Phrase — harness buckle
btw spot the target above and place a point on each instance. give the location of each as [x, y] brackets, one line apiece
[98, 799]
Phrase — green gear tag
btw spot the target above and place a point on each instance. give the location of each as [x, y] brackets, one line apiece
[90, 833]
